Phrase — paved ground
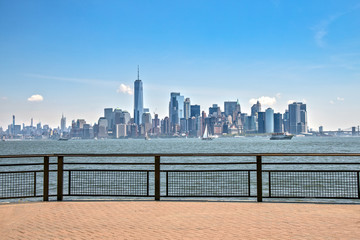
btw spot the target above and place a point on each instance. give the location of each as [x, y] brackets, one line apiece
[178, 220]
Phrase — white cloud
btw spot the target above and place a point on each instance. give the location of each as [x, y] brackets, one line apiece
[321, 29]
[319, 37]
[331, 102]
[4, 98]
[340, 99]
[35, 98]
[125, 89]
[269, 101]
[291, 101]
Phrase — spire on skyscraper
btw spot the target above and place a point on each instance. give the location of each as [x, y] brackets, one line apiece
[138, 74]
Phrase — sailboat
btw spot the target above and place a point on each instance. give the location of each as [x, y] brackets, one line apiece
[206, 135]
[146, 136]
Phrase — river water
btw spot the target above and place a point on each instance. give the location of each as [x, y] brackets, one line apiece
[190, 145]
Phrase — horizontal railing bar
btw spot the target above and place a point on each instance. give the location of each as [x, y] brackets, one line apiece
[179, 155]
[28, 156]
[28, 171]
[207, 196]
[32, 196]
[311, 170]
[107, 170]
[207, 163]
[311, 163]
[107, 195]
[211, 170]
[106, 163]
[21, 164]
[177, 163]
[164, 163]
[316, 197]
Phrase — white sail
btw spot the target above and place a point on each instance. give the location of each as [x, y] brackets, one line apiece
[205, 132]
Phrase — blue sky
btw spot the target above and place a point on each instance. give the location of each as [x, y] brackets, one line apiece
[76, 54]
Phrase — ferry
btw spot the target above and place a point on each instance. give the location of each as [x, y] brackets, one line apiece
[281, 136]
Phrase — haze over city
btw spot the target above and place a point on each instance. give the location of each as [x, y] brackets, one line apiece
[78, 58]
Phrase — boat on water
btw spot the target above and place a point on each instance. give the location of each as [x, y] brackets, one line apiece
[281, 136]
[63, 139]
[207, 135]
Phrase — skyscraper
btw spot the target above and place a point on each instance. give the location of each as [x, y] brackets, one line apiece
[138, 100]
[255, 108]
[13, 126]
[261, 122]
[187, 108]
[109, 115]
[176, 109]
[214, 110]
[278, 123]
[269, 120]
[194, 110]
[62, 123]
[231, 107]
[297, 118]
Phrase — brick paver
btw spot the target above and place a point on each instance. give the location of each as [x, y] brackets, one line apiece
[178, 220]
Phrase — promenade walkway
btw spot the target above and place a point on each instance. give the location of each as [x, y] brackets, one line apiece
[178, 220]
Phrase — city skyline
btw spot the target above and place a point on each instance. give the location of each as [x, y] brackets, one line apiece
[79, 58]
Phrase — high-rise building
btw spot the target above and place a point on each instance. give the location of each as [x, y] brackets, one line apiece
[120, 131]
[250, 124]
[286, 122]
[261, 122]
[231, 107]
[187, 108]
[62, 123]
[102, 125]
[165, 126]
[255, 108]
[214, 110]
[194, 110]
[297, 118]
[269, 120]
[156, 121]
[109, 115]
[176, 109]
[138, 100]
[13, 126]
[278, 123]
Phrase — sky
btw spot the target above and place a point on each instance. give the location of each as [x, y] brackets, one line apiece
[77, 57]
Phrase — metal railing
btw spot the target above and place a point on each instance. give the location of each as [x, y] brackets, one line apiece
[238, 175]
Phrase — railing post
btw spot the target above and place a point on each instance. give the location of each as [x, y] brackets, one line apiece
[259, 178]
[60, 178]
[157, 178]
[358, 183]
[46, 179]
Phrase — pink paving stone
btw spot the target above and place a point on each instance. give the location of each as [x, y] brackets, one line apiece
[178, 220]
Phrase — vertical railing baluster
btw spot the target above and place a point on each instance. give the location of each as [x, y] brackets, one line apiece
[249, 184]
[69, 184]
[34, 183]
[259, 178]
[358, 183]
[46, 179]
[157, 178]
[269, 184]
[60, 178]
[147, 183]
[167, 183]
